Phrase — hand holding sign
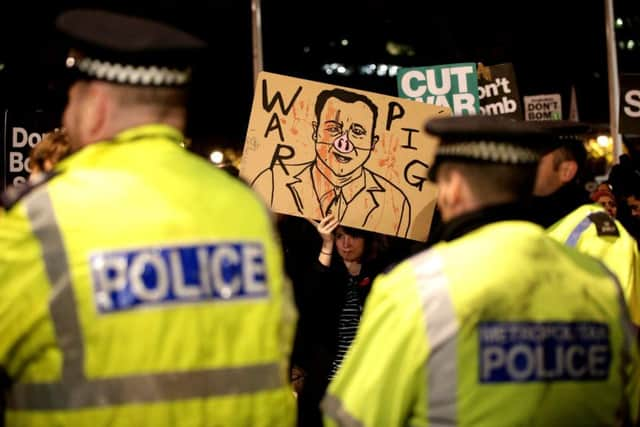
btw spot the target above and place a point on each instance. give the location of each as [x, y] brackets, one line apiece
[325, 228]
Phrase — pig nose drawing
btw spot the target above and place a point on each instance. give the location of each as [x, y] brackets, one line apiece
[342, 144]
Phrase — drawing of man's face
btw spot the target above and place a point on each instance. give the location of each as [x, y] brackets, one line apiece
[344, 133]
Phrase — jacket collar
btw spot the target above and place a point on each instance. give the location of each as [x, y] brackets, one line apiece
[545, 211]
[471, 221]
[149, 131]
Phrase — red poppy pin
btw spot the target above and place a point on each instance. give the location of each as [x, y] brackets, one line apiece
[365, 282]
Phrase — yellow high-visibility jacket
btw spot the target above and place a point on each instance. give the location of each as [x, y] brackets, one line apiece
[591, 230]
[503, 326]
[141, 286]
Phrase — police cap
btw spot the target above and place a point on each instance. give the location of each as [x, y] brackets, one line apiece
[127, 50]
[568, 134]
[486, 139]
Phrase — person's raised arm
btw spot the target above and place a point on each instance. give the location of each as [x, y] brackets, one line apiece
[325, 228]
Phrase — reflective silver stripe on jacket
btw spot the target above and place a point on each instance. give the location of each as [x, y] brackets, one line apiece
[75, 390]
[332, 406]
[62, 305]
[442, 335]
[85, 393]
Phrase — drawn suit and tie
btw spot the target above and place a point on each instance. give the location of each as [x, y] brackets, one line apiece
[336, 180]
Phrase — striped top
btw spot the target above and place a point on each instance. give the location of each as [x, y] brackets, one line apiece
[347, 323]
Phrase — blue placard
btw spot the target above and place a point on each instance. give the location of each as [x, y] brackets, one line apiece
[124, 280]
[543, 351]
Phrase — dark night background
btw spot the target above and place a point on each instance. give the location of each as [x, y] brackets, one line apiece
[552, 44]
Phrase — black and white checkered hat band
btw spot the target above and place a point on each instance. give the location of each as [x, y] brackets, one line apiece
[490, 151]
[569, 138]
[129, 74]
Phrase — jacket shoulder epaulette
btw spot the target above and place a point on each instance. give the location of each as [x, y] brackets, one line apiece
[605, 224]
[14, 193]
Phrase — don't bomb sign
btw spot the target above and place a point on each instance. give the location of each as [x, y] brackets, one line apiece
[498, 91]
[313, 149]
[22, 131]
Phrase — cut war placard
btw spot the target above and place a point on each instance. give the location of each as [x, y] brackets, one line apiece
[313, 149]
[630, 103]
[454, 86]
[543, 107]
[498, 91]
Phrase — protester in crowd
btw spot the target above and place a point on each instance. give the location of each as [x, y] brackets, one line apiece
[605, 197]
[336, 287]
[485, 328]
[628, 204]
[53, 147]
[559, 185]
[633, 202]
[582, 224]
[625, 175]
[631, 213]
[604, 186]
[625, 179]
[140, 285]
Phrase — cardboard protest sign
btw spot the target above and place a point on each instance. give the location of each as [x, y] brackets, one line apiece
[22, 130]
[543, 107]
[498, 91]
[313, 148]
[454, 86]
[630, 104]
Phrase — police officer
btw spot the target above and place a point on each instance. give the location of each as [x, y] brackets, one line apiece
[559, 187]
[140, 286]
[498, 325]
[576, 221]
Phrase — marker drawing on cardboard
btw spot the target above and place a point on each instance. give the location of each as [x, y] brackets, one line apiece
[327, 149]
